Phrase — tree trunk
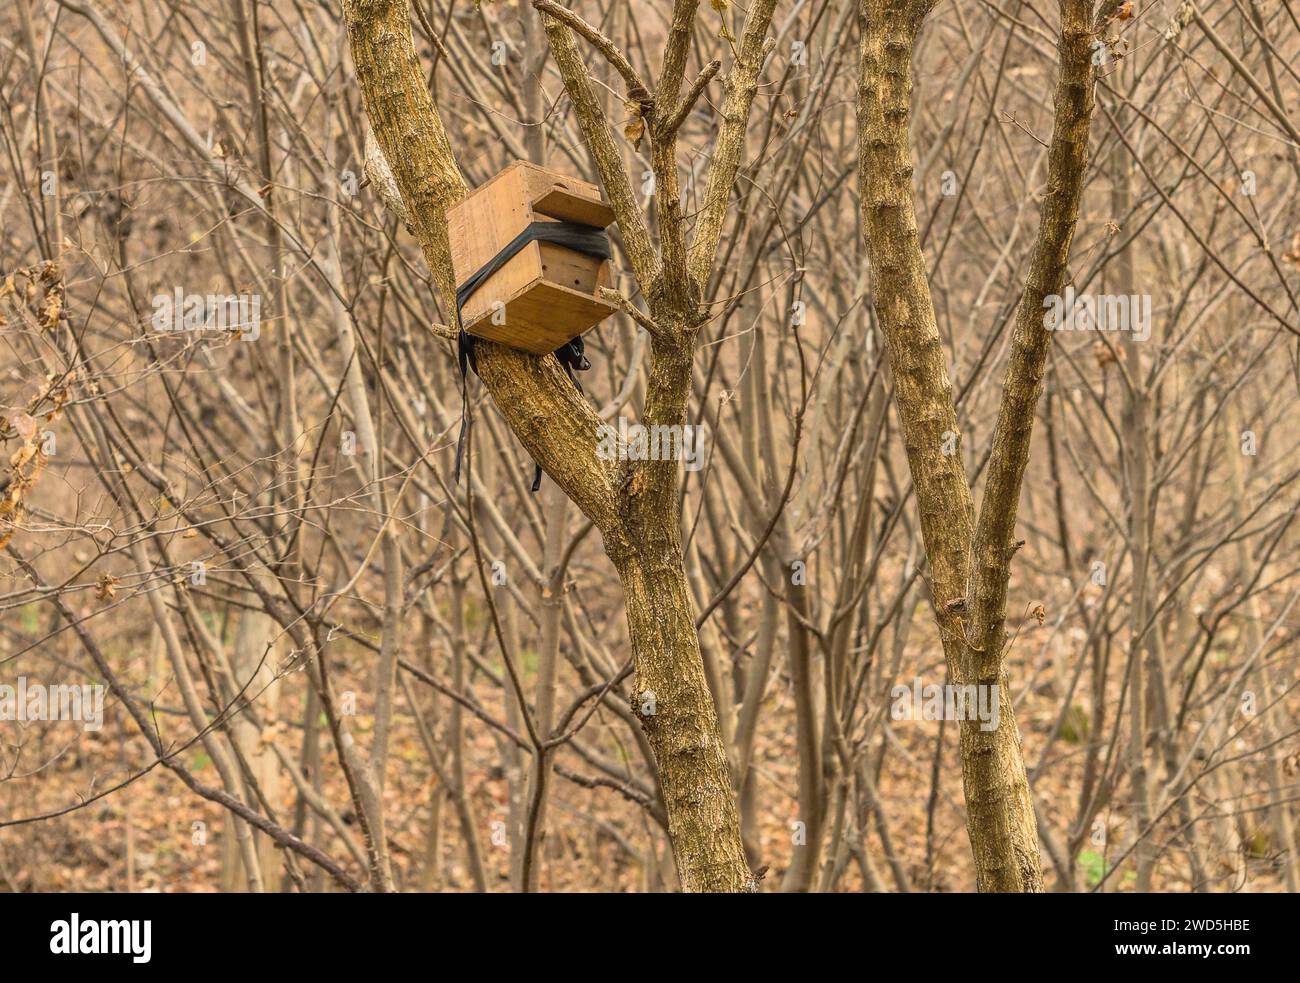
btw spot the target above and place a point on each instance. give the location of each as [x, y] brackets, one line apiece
[672, 700]
[969, 563]
[672, 697]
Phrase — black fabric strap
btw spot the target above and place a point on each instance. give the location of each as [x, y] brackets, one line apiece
[580, 238]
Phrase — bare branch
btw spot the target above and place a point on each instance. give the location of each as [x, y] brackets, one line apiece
[637, 90]
[742, 83]
[674, 122]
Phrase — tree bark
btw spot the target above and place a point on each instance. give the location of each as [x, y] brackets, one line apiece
[969, 563]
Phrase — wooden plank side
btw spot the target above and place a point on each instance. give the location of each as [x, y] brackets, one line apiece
[537, 181]
[585, 274]
[544, 317]
[513, 279]
[568, 207]
[485, 220]
[479, 227]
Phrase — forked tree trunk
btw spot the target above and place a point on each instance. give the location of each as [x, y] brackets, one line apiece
[634, 504]
[969, 562]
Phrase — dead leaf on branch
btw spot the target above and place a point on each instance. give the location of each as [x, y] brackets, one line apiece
[41, 298]
[721, 7]
[25, 424]
[44, 305]
[106, 586]
[634, 128]
[1292, 256]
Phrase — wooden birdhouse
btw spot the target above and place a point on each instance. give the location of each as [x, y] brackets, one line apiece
[546, 293]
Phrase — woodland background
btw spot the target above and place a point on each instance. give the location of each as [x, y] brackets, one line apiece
[220, 147]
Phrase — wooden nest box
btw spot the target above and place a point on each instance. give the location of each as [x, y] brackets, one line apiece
[546, 293]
